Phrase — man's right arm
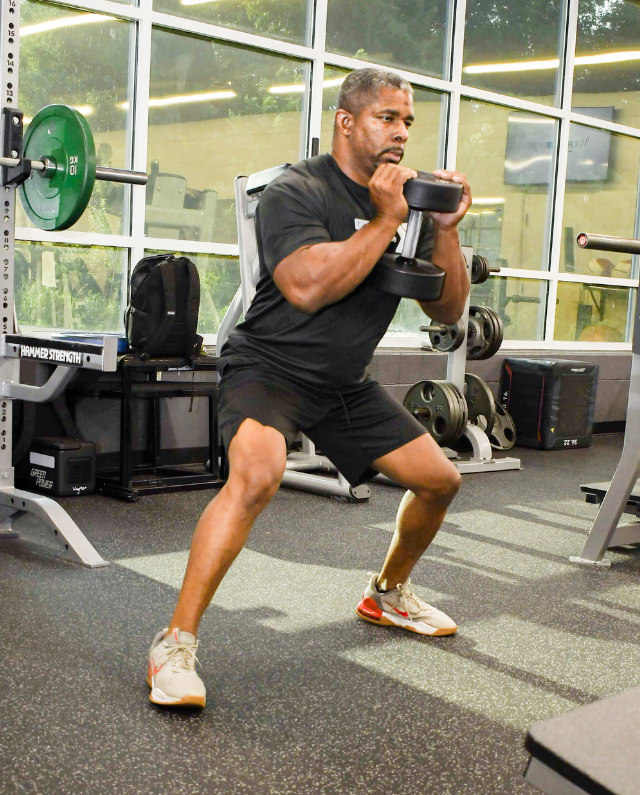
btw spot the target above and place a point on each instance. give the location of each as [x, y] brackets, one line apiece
[317, 275]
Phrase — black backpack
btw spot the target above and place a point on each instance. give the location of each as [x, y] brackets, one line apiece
[162, 316]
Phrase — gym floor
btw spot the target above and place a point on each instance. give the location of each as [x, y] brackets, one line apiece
[303, 696]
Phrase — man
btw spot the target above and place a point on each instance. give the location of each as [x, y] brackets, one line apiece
[298, 363]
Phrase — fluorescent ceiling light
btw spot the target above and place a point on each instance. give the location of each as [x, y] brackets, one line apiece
[514, 165]
[195, 2]
[182, 99]
[522, 120]
[64, 22]
[298, 88]
[553, 63]
[86, 110]
[488, 200]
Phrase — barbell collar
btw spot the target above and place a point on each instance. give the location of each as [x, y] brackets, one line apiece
[106, 174]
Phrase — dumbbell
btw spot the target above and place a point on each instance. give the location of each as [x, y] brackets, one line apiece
[403, 274]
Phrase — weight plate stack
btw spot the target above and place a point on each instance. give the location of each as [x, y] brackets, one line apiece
[480, 402]
[449, 340]
[440, 409]
[503, 433]
[479, 269]
[485, 333]
[55, 199]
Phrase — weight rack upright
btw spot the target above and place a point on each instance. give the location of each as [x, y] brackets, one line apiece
[60, 531]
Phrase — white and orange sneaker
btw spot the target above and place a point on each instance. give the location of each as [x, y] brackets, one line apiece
[172, 673]
[399, 607]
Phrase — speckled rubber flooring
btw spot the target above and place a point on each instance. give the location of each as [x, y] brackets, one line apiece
[303, 697]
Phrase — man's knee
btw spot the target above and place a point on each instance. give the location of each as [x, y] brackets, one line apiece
[257, 459]
[441, 486]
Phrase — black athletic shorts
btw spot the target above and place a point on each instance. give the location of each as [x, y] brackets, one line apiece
[352, 427]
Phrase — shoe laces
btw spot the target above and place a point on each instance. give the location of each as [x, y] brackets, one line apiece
[181, 658]
[411, 602]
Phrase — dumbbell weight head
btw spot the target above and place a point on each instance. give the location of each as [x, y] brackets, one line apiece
[427, 192]
[407, 277]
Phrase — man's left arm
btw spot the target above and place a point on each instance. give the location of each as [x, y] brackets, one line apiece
[447, 255]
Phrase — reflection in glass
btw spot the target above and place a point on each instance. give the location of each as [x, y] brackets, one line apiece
[509, 159]
[523, 57]
[215, 111]
[70, 287]
[423, 147]
[408, 35]
[277, 19]
[219, 280]
[601, 198]
[91, 57]
[521, 304]
[607, 62]
[593, 313]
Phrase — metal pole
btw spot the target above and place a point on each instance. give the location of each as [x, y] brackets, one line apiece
[106, 174]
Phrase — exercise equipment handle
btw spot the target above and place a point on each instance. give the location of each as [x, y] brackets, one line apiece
[607, 243]
[106, 174]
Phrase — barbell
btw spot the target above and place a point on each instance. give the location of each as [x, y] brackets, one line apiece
[58, 167]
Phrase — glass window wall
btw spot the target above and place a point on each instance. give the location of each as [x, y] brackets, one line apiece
[601, 197]
[215, 111]
[91, 57]
[509, 159]
[407, 34]
[79, 288]
[513, 48]
[606, 79]
[593, 313]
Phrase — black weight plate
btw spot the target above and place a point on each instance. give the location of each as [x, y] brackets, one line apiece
[480, 334]
[407, 277]
[503, 433]
[498, 336]
[480, 402]
[61, 135]
[455, 413]
[434, 408]
[431, 193]
[479, 269]
[463, 411]
[449, 340]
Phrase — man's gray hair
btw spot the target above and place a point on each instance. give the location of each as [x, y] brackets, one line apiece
[361, 87]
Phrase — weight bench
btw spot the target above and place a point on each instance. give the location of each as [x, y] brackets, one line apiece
[302, 467]
[592, 750]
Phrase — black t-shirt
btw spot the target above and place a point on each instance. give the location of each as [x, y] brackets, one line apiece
[314, 202]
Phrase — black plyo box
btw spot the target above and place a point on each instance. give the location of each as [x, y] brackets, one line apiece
[552, 402]
[58, 466]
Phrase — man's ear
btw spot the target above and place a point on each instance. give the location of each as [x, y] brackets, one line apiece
[344, 122]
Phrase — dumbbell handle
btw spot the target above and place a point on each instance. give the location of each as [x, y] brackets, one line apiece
[107, 174]
[412, 234]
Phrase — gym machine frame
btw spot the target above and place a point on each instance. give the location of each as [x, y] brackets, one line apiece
[622, 494]
[66, 356]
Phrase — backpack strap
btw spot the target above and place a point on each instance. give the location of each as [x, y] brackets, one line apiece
[168, 275]
[193, 307]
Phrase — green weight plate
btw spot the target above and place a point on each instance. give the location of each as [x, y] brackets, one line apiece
[61, 135]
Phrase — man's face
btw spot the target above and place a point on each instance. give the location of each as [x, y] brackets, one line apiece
[381, 129]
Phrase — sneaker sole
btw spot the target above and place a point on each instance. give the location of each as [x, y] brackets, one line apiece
[158, 697]
[410, 626]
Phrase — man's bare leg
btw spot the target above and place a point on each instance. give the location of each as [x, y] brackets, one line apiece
[257, 459]
[433, 481]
